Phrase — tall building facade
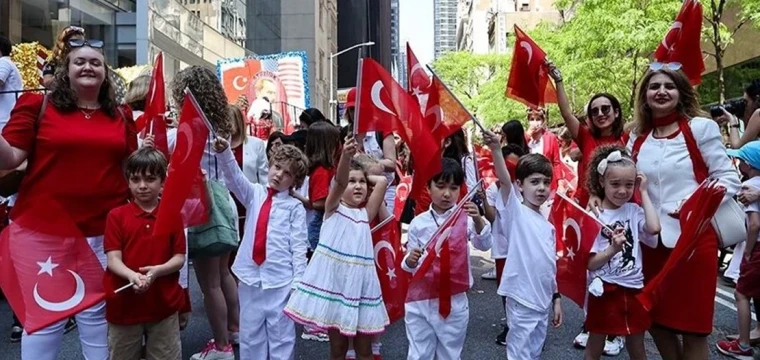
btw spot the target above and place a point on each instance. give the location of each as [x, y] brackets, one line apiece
[472, 25]
[227, 16]
[445, 26]
[395, 39]
[264, 30]
[402, 64]
[361, 21]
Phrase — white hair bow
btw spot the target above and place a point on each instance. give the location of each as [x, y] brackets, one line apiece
[614, 156]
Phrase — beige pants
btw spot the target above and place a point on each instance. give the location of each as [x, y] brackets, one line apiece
[163, 343]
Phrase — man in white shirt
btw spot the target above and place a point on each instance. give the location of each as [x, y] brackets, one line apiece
[10, 81]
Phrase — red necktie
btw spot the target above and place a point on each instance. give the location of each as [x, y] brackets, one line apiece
[260, 238]
[444, 298]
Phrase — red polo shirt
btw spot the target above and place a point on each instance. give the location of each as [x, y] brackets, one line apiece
[73, 160]
[129, 229]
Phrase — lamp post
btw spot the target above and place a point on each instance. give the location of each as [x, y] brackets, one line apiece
[333, 101]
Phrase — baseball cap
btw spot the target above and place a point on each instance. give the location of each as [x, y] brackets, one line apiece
[750, 153]
[351, 98]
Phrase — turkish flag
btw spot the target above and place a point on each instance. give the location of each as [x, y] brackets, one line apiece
[418, 80]
[529, 76]
[388, 256]
[444, 270]
[152, 121]
[444, 113]
[486, 171]
[403, 189]
[576, 232]
[694, 217]
[383, 105]
[48, 271]
[184, 201]
[567, 179]
[682, 43]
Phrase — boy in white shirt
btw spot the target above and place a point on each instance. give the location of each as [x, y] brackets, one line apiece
[529, 280]
[272, 255]
[432, 331]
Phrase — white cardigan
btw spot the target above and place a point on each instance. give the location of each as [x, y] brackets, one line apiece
[255, 165]
[670, 171]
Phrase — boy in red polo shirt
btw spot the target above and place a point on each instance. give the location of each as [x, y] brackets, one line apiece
[150, 264]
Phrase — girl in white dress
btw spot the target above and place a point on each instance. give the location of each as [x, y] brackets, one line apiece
[340, 291]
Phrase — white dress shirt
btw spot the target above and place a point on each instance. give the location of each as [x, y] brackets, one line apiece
[670, 171]
[286, 242]
[420, 232]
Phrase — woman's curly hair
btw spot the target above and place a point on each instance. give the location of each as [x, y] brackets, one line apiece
[208, 91]
[593, 177]
[64, 97]
[61, 47]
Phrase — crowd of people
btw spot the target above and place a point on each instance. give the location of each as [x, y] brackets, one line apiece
[288, 237]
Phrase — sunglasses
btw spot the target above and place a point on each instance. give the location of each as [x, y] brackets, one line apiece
[97, 44]
[602, 110]
[674, 66]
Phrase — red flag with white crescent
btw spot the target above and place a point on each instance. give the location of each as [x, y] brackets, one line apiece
[682, 43]
[48, 271]
[152, 121]
[418, 80]
[528, 76]
[403, 189]
[394, 282]
[576, 232]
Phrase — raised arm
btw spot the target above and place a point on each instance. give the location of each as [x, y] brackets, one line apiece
[500, 166]
[376, 199]
[341, 177]
[572, 122]
[233, 177]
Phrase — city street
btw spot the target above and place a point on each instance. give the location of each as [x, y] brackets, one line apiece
[485, 317]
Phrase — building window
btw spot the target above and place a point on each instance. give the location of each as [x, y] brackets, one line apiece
[192, 1]
[524, 5]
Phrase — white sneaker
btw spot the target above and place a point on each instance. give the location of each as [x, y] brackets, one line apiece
[314, 335]
[581, 340]
[490, 275]
[614, 347]
[210, 352]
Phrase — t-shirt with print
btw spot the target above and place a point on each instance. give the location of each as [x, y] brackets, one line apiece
[625, 267]
[531, 268]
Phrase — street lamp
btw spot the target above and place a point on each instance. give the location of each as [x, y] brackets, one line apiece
[333, 101]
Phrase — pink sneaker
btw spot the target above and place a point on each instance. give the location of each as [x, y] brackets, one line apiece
[211, 352]
[733, 349]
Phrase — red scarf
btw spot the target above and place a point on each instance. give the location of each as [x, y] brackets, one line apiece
[667, 119]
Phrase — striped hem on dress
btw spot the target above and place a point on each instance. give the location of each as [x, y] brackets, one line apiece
[342, 328]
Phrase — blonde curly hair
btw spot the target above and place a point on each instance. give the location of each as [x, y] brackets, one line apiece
[61, 47]
[208, 91]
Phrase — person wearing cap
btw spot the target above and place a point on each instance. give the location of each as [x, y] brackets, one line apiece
[748, 285]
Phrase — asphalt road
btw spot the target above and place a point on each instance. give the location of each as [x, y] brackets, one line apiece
[484, 325]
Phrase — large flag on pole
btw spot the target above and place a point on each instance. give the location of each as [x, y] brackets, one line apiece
[184, 201]
[386, 238]
[682, 43]
[383, 105]
[152, 121]
[418, 80]
[48, 271]
[528, 76]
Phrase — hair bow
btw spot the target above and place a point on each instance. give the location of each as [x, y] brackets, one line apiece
[614, 156]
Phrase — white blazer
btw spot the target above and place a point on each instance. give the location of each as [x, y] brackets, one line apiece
[255, 164]
[670, 173]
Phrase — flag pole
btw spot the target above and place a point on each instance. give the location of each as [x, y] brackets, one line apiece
[474, 119]
[572, 202]
[382, 223]
[458, 206]
[358, 95]
[200, 111]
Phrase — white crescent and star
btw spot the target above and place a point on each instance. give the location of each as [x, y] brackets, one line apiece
[384, 244]
[236, 84]
[438, 112]
[416, 67]
[377, 88]
[525, 45]
[577, 229]
[185, 130]
[676, 25]
[441, 238]
[402, 190]
[47, 267]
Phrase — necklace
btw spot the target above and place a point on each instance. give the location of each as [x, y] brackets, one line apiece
[88, 112]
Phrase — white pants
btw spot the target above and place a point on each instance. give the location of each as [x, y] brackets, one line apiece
[265, 331]
[732, 272]
[430, 335]
[91, 323]
[527, 331]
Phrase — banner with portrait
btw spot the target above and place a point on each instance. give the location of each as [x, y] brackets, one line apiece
[273, 88]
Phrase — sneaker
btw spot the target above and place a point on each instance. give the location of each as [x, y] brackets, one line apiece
[16, 332]
[752, 340]
[210, 352]
[490, 275]
[234, 337]
[581, 339]
[614, 347]
[501, 339]
[70, 325]
[733, 349]
[314, 335]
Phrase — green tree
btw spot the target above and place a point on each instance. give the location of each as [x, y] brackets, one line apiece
[720, 35]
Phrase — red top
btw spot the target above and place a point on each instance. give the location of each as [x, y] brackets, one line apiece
[587, 143]
[130, 230]
[319, 183]
[72, 159]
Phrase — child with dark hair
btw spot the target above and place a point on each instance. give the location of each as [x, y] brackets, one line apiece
[150, 264]
[433, 333]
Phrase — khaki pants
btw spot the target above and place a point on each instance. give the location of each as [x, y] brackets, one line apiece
[163, 343]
